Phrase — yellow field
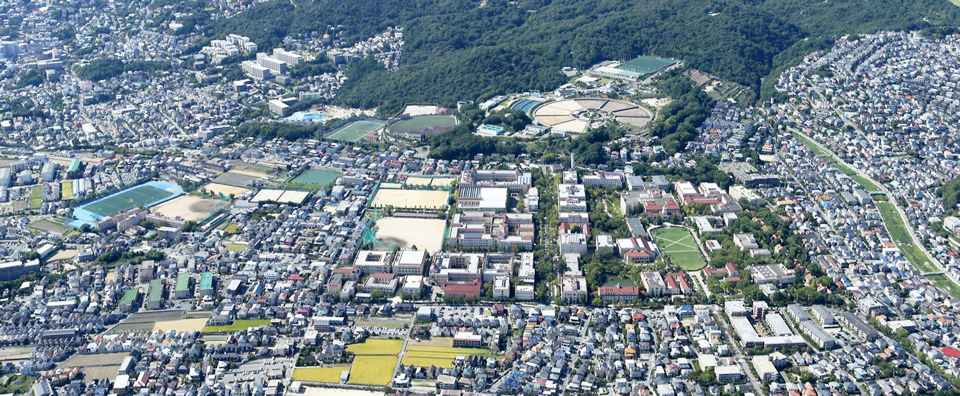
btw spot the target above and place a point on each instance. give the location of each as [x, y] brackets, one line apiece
[217, 188]
[373, 370]
[424, 356]
[181, 325]
[376, 347]
[319, 374]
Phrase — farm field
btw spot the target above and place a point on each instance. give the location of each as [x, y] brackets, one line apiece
[36, 197]
[51, 226]
[319, 374]
[424, 356]
[99, 366]
[237, 325]
[680, 247]
[239, 178]
[375, 361]
[356, 130]
[181, 325]
[389, 323]
[375, 346]
[900, 235]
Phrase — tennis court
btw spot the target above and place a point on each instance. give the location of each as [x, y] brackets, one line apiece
[144, 195]
[356, 130]
[646, 64]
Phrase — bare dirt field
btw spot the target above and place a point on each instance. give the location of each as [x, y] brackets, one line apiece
[15, 354]
[428, 235]
[98, 366]
[181, 325]
[189, 207]
[410, 199]
[217, 188]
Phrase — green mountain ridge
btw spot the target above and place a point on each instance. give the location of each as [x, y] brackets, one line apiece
[457, 50]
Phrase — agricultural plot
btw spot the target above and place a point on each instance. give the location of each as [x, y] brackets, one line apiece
[425, 356]
[679, 246]
[237, 325]
[319, 374]
[50, 225]
[374, 362]
[239, 178]
[373, 370]
[99, 366]
[182, 325]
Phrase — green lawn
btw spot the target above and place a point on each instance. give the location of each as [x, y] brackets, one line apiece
[17, 384]
[678, 245]
[238, 325]
[900, 235]
[234, 247]
[946, 284]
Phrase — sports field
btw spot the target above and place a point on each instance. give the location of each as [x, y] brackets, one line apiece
[315, 177]
[680, 247]
[144, 195]
[424, 356]
[424, 124]
[237, 325]
[356, 130]
[410, 199]
[319, 374]
[646, 64]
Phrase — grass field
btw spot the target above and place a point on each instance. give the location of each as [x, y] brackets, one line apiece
[946, 284]
[126, 200]
[17, 384]
[36, 197]
[234, 247]
[864, 183]
[416, 124]
[372, 370]
[680, 247]
[424, 356]
[356, 130]
[319, 374]
[900, 235]
[66, 190]
[315, 177]
[50, 226]
[237, 325]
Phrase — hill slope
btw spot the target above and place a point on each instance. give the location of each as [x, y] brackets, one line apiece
[457, 50]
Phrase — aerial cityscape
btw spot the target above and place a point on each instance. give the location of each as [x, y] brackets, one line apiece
[480, 197]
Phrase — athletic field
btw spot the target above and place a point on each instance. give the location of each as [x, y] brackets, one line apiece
[356, 130]
[429, 125]
[646, 64]
[144, 195]
[679, 247]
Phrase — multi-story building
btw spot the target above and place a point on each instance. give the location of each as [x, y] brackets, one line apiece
[291, 58]
[275, 65]
[573, 289]
[409, 262]
[370, 262]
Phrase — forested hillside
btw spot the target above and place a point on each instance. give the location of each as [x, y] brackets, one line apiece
[456, 50]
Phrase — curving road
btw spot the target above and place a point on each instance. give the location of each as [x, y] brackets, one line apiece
[883, 189]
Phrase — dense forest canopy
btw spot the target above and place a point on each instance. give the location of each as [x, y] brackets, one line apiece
[457, 50]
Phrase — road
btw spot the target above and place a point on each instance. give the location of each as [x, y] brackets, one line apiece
[883, 189]
[728, 339]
